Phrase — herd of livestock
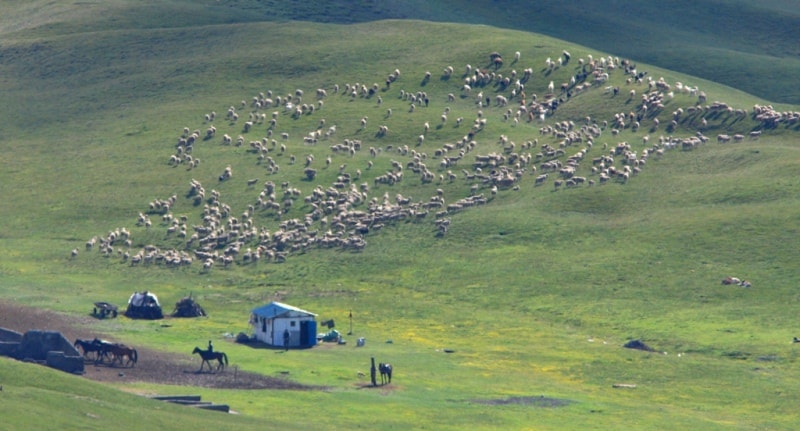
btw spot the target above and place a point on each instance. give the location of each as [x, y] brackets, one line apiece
[282, 220]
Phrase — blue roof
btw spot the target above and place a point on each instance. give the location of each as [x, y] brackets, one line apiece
[279, 309]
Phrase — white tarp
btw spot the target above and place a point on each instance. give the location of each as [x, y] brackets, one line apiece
[139, 299]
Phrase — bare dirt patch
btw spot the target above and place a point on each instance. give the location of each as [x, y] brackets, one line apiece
[152, 366]
[540, 401]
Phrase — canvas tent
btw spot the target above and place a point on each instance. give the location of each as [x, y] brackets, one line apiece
[271, 321]
[144, 305]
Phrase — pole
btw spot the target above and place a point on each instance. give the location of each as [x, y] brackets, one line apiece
[372, 373]
[351, 323]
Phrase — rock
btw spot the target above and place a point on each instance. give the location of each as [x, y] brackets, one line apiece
[638, 345]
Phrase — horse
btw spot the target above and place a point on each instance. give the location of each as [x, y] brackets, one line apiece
[208, 356]
[386, 373]
[89, 346]
[121, 351]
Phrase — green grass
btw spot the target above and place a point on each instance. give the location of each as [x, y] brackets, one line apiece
[534, 292]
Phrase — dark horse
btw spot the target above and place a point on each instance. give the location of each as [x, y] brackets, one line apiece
[386, 373]
[92, 346]
[121, 351]
[209, 356]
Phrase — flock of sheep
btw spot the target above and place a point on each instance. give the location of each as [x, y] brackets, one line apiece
[282, 220]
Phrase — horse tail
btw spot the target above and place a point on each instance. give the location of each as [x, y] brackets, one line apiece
[225, 358]
[135, 356]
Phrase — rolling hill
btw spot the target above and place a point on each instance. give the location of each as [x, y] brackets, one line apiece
[433, 232]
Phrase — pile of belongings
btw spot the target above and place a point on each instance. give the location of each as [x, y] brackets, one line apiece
[187, 307]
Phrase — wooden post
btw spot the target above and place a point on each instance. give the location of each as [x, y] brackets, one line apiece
[351, 323]
[372, 373]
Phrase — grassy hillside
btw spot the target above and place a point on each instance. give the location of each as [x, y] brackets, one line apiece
[534, 291]
[739, 43]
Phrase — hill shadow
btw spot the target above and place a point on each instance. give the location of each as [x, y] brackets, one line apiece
[668, 36]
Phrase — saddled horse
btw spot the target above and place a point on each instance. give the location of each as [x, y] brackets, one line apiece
[96, 346]
[386, 373]
[121, 351]
[209, 356]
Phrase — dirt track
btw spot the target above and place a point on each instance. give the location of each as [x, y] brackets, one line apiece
[152, 366]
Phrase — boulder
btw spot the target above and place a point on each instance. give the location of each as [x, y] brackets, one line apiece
[638, 345]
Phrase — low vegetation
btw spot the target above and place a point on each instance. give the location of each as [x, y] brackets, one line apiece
[501, 299]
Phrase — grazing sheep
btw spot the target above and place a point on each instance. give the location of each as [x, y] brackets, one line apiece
[227, 174]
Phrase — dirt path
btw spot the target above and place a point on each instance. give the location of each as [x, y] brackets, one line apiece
[153, 366]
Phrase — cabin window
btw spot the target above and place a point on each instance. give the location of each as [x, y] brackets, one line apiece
[263, 325]
[292, 323]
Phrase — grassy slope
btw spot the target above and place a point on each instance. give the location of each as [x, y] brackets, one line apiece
[35, 397]
[642, 261]
[696, 38]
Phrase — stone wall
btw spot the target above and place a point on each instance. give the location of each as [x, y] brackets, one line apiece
[10, 336]
[48, 347]
[36, 344]
[9, 341]
[70, 364]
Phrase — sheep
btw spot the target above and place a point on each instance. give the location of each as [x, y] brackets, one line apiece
[227, 174]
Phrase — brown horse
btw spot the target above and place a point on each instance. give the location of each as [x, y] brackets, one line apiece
[121, 351]
[209, 356]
